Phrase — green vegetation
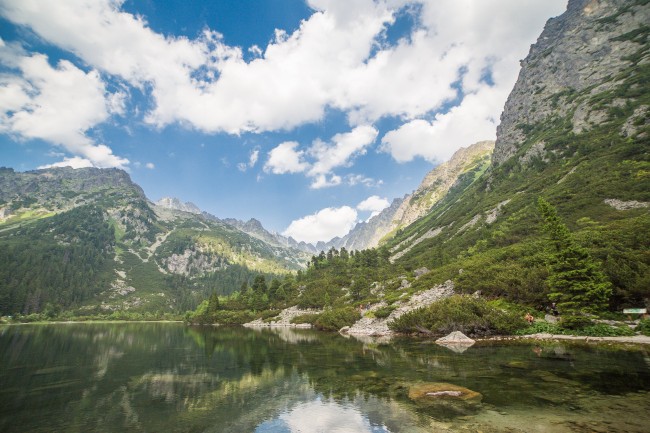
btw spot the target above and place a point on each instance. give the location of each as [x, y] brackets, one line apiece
[474, 317]
[643, 327]
[56, 263]
[335, 319]
[591, 330]
[575, 280]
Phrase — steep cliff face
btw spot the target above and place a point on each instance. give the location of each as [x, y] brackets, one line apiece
[464, 166]
[579, 54]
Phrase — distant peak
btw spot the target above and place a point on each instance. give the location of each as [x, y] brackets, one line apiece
[176, 204]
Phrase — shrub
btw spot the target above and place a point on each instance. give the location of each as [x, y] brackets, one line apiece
[305, 318]
[574, 322]
[335, 319]
[643, 327]
[224, 317]
[471, 316]
[383, 312]
[539, 327]
[603, 330]
[268, 314]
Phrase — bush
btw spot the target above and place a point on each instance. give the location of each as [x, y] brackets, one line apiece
[305, 318]
[603, 330]
[383, 312]
[643, 327]
[268, 314]
[575, 323]
[540, 327]
[335, 319]
[224, 317]
[472, 316]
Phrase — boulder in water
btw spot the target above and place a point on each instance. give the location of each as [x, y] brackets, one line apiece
[456, 338]
[436, 391]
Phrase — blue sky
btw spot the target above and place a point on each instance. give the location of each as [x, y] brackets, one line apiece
[307, 115]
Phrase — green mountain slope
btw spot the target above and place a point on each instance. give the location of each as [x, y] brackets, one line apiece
[575, 132]
[89, 240]
[597, 173]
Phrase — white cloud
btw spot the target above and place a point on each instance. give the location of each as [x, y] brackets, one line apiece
[150, 165]
[473, 120]
[322, 181]
[324, 157]
[340, 152]
[323, 225]
[58, 105]
[74, 162]
[286, 159]
[356, 179]
[373, 203]
[343, 148]
[338, 58]
[252, 160]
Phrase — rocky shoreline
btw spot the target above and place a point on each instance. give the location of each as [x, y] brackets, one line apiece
[284, 319]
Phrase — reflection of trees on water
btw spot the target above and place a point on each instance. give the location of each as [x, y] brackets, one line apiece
[161, 377]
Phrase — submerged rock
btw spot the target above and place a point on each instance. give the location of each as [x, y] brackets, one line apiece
[441, 390]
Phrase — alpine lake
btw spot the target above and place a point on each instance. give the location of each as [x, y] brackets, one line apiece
[169, 377]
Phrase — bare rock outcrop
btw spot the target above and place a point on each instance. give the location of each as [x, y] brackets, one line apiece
[376, 326]
[579, 51]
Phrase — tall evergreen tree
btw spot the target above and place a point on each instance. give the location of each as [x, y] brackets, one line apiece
[576, 282]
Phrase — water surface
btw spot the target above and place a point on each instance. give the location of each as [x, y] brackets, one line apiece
[166, 377]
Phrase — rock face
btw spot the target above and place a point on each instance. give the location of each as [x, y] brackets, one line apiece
[176, 204]
[407, 210]
[376, 327]
[60, 187]
[581, 50]
[283, 320]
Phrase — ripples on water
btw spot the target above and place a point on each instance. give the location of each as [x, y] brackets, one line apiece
[166, 377]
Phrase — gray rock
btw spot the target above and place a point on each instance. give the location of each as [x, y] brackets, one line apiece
[456, 338]
[577, 51]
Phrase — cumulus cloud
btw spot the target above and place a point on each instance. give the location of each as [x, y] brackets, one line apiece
[374, 203]
[341, 150]
[446, 79]
[150, 165]
[338, 57]
[323, 225]
[56, 104]
[286, 159]
[321, 158]
[437, 140]
[74, 162]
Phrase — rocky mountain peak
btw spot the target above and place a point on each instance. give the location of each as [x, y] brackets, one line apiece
[470, 161]
[176, 204]
[54, 185]
[578, 54]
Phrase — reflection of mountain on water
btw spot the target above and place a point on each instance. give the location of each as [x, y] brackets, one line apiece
[168, 377]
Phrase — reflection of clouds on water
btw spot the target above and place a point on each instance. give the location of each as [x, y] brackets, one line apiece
[318, 416]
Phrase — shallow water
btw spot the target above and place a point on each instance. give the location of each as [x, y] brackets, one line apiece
[166, 377]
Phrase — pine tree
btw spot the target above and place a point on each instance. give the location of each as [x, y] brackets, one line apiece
[576, 282]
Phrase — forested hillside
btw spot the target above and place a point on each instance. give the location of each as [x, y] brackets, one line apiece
[572, 153]
[88, 242]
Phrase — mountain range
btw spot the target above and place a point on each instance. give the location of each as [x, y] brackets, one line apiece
[574, 130]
